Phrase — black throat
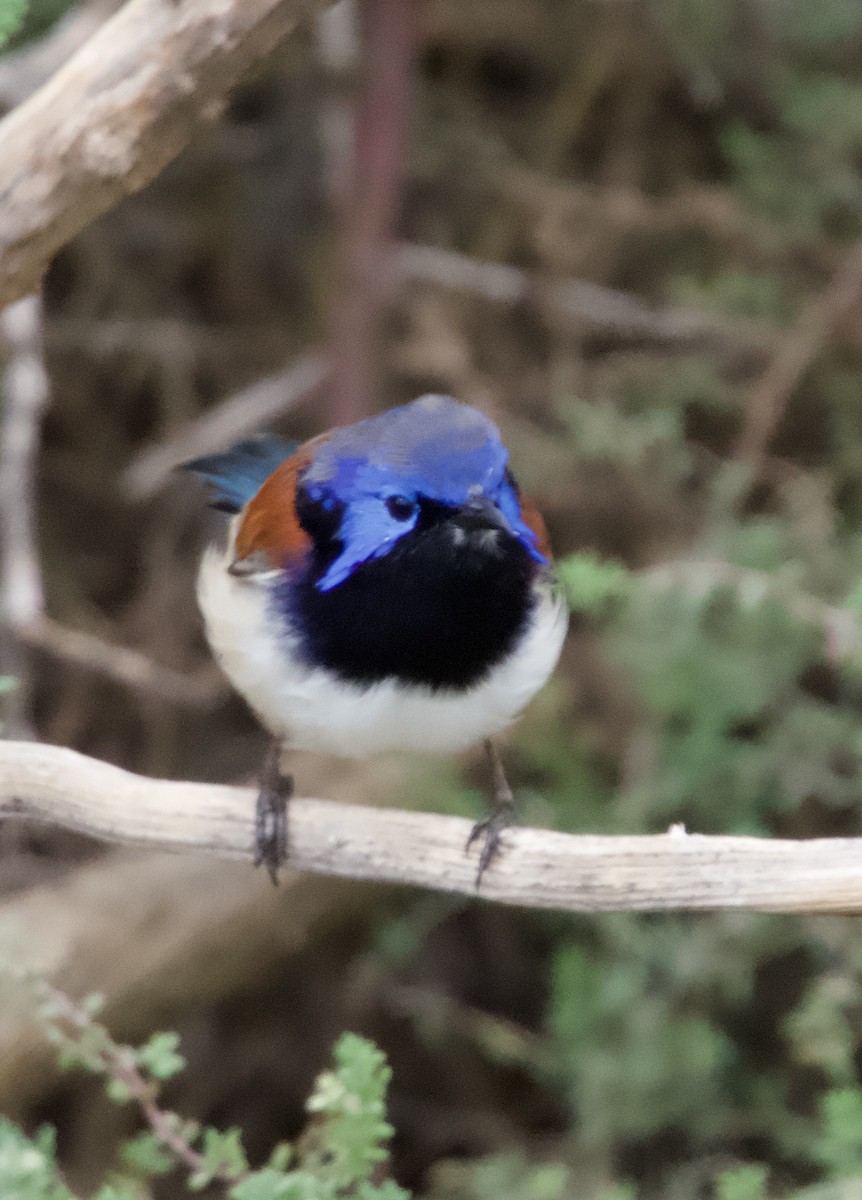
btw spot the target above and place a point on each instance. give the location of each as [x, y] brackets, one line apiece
[441, 609]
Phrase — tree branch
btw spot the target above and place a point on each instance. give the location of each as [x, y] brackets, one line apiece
[538, 869]
[117, 113]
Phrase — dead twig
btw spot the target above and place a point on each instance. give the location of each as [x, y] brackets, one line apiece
[799, 347]
[118, 112]
[236, 417]
[124, 665]
[590, 307]
[26, 392]
[538, 869]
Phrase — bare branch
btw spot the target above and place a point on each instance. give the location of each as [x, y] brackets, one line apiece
[117, 113]
[26, 391]
[802, 344]
[538, 869]
[125, 666]
[24, 70]
[236, 417]
[588, 306]
[591, 307]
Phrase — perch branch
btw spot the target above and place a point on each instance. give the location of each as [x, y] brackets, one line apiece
[538, 869]
[118, 112]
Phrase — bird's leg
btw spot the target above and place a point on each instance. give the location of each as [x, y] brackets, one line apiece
[501, 815]
[270, 820]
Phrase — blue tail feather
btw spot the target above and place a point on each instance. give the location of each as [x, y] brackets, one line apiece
[237, 474]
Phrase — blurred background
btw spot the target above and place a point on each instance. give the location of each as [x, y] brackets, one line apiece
[629, 230]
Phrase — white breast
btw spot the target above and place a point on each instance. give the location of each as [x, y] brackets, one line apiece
[309, 709]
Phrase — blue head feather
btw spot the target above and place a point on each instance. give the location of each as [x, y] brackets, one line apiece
[433, 448]
[239, 473]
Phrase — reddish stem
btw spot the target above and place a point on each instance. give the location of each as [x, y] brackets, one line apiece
[381, 123]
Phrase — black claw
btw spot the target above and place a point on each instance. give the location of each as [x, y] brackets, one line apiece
[270, 821]
[501, 816]
[490, 831]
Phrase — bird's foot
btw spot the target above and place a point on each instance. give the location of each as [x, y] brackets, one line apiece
[270, 820]
[490, 832]
[500, 818]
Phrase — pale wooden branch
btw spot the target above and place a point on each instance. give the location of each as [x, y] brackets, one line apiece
[24, 70]
[118, 112]
[538, 868]
[159, 934]
[26, 392]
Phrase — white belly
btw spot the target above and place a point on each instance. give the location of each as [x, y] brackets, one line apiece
[309, 709]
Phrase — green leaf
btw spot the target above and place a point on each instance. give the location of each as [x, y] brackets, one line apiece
[274, 1185]
[592, 584]
[223, 1156]
[28, 1166]
[118, 1091]
[145, 1155]
[159, 1056]
[352, 1099]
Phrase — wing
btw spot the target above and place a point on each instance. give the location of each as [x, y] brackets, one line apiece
[269, 536]
[237, 474]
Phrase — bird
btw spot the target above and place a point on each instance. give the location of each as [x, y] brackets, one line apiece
[382, 586]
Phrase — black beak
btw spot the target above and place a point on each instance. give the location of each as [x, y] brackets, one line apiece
[481, 514]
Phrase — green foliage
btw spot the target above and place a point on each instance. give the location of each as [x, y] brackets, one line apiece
[11, 18]
[646, 440]
[592, 584]
[503, 1175]
[742, 1183]
[23, 20]
[839, 1147]
[28, 1166]
[336, 1159]
[633, 1060]
[145, 1156]
[222, 1157]
[350, 1101]
[345, 1144]
[158, 1056]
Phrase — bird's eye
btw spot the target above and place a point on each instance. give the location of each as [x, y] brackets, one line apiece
[400, 508]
